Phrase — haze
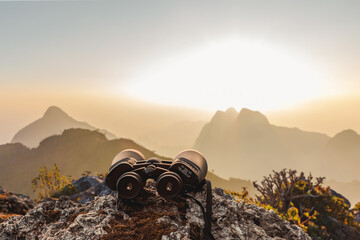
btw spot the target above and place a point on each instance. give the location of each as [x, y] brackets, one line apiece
[298, 62]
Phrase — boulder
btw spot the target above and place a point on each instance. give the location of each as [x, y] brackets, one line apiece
[336, 194]
[13, 204]
[148, 216]
[357, 217]
[85, 189]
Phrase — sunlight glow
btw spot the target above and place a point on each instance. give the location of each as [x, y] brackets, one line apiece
[228, 73]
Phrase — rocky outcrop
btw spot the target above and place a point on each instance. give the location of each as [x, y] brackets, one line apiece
[85, 189]
[357, 217]
[147, 217]
[13, 204]
[336, 194]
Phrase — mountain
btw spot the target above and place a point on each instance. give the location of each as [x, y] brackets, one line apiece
[54, 121]
[341, 157]
[75, 151]
[246, 145]
[345, 141]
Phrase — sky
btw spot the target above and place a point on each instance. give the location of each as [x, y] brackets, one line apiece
[271, 56]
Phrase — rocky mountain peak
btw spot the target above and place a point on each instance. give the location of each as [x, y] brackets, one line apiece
[54, 111]
[248, 117]
[53, 122]
[231, 111]
[225, 117]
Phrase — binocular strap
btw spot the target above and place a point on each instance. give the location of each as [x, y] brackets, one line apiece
[208, 213]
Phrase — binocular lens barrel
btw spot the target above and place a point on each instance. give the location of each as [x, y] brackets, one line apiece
[191, 165]
[129, 185]
[128, 173]
[169, 185]
[126, 154]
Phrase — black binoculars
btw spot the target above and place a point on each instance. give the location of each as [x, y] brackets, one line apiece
[129, 171]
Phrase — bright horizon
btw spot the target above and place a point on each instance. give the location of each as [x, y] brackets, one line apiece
[295, 62]
[233, 72]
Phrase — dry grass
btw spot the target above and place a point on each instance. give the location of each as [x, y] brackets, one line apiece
[4, 216]
[140, 226]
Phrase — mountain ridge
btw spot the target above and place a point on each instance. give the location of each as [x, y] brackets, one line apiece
[251, 147]
[76, 151]
[54, 121]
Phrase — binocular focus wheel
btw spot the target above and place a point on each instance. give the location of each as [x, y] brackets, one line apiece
[129, 185]
[169, 185]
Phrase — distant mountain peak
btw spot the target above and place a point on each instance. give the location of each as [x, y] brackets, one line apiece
[228, 116]
[346, 137]
[347, 133]
[54, 111]
[231, 111]
[347, 141]
[54, 122]
[254, 117]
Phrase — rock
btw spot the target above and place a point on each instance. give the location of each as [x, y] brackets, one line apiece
[336, 194]
[86, 189]
[149, 216]
[84, 183]
[341, 231]
[357, 217]
[12, 204]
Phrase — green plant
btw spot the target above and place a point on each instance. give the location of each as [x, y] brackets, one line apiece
[68, 190]
[48, 182]
[243, 196]
[101, 175]
[86, 173]
[356, 209]
[305, 202]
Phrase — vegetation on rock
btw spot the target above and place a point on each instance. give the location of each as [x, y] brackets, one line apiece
[299, 199]
[302, 201]
[50, 182]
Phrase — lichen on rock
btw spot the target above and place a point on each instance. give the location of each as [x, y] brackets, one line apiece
[149, 216]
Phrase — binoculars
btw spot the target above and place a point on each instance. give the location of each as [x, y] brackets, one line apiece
[129, 171]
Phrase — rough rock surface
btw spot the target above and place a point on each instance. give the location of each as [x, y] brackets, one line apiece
[147, 217]
[13, 204]
[88, 187]
[336, 194]
[357, 217]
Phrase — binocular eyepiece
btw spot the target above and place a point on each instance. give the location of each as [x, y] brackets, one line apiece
[129, 171]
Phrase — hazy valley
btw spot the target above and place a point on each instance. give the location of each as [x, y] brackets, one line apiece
[75, 151]
[245, 144]
[237, 146]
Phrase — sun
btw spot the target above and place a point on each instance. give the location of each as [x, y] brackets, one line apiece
[232, 72]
